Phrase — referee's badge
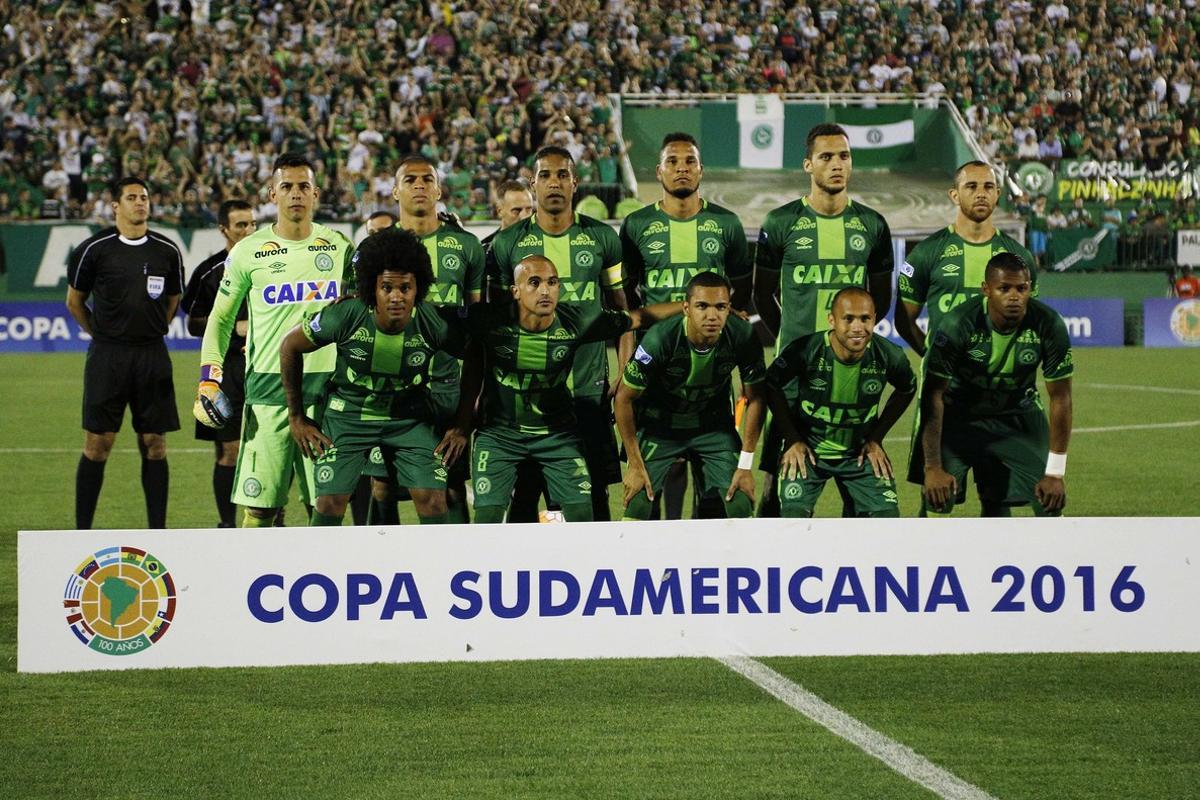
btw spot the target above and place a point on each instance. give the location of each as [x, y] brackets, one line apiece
[155, 285]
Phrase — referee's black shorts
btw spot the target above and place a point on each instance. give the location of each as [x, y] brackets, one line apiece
[234, 387]
[139, 376]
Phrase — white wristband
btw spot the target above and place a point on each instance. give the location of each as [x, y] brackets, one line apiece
[1056, 465]
[746, 460]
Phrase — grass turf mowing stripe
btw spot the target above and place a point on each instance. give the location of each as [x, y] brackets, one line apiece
[899, 757]
[1138, 388]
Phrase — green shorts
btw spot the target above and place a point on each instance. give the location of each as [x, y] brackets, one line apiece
[405, 447]
[268, 458]
[594, 422]
[444, 398]
[716, 452]
[869, 496]
[1007, 454]
[498, 451]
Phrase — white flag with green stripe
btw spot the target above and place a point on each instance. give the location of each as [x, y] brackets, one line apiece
[879, 136]
[760, 121]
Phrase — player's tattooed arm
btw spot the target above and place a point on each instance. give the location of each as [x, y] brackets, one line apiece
[940, 487]
[308, 436]
[637, 478]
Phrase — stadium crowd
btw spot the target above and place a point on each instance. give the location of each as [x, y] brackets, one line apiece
[201, 97]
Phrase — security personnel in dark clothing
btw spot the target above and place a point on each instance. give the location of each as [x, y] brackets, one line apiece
[235, 221]
[134, 278]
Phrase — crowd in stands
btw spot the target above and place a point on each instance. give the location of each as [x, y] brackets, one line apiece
[199, 97]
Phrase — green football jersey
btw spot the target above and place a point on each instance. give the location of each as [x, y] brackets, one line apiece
[588, 258]
[816, 257]
[994, 374]
[457, 260]
[526, 380]
[945, 270]
[661, 254]
[684, 389]
[282, 282]
[380, 375]
[839, 402]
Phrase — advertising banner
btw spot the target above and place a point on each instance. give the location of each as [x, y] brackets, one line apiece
[1187, 250]
[1091, 321]
[1127, 182]
[1171, 322]
[100, 600]
[760, 122]
[47, 327]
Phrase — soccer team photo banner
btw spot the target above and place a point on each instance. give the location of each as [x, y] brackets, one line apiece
[92, 600]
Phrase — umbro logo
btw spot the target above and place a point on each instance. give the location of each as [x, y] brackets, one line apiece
[656, 247]
[950, 269]
[805, 241]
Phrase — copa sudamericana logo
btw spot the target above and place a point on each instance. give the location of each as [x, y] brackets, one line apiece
[120, 601]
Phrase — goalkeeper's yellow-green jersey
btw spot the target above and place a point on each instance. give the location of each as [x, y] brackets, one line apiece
[282, 281]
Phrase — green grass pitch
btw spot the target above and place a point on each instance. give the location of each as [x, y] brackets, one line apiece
[1017, 726]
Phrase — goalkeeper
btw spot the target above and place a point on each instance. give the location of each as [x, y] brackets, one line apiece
[285, 271]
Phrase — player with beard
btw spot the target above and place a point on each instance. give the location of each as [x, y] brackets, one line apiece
[664, 246]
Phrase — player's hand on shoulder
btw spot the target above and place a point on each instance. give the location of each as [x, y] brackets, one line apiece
[1051, 492]
[874, 453]
[795, 460]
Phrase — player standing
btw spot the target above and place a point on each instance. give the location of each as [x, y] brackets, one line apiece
[666, 244]
[980, 402]
[235, 221]
[586, 254]
[946, 270]
[284, 272]
[808, 251]
[134, 278]
[381, 390]
[680, 376]
[532, 346]
[834, 429]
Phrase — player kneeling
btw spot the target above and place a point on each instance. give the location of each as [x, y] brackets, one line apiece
[680, 379]
[379, 392]
[834, 429]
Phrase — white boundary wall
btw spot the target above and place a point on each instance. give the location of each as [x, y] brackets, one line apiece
[822, 587]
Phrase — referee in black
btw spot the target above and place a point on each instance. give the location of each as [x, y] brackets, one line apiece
[235, 220]
[134, 278]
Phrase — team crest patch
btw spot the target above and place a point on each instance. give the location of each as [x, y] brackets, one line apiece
[858, 242]
[325, 474]
[793, 491]
[324, 262]
[416, 359]
[251, 487]
[560, 353]
[711, 246]
[584, 259]
[119, 601]
[155, 285]
[451, 262]
[1027, 357]
[483, 486]
[873, 386]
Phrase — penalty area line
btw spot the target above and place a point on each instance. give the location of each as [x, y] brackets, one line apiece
[898, 757]
[1136, 388]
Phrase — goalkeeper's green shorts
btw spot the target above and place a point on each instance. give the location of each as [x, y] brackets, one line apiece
[269, 458]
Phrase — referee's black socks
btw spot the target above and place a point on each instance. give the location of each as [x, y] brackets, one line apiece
[222, 481]
[155, 479]
[89, 477]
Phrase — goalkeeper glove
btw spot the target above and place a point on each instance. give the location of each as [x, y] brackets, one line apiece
[212, 407]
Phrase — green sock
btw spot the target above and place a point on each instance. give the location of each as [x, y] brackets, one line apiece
[488, 515]
[739, 507]
[440, 519]
[456, 510]
[576, 512]
[639, 508]
[325, 520]
[251, 521]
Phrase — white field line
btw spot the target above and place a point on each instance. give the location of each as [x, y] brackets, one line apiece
[1136, 388]
[1189, 423]
[899, 757]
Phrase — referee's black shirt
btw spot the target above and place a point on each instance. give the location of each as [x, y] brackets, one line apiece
[201, 293]
[130, 281]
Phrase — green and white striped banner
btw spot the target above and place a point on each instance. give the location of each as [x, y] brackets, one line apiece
[879, 136]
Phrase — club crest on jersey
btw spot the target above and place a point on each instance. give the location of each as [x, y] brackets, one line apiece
[952, 251]
[320, 245]
[710, 246]
[275, 294]
[451, 262]
[323, 262]
[583, 258]
[873, 386]
[270, 250]
[530, 240]
[560, 352]
[416, 359]
[155, 285]
[858, 242]
[655, 228]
